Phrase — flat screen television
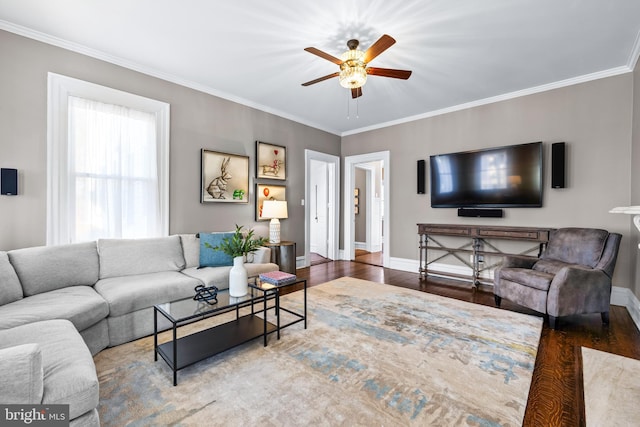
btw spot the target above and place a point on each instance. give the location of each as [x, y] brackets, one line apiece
[500, 177]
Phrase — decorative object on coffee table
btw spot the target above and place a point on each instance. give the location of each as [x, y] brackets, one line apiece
[208, 295]
[238, 246]
[278, 277]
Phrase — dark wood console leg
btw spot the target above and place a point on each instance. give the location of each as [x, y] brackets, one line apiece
[553, 322]
[498, 300]
[605, 317]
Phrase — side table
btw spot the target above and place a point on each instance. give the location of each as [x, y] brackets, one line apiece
[283, 254]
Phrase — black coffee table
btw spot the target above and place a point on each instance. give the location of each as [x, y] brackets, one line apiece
[185, 351]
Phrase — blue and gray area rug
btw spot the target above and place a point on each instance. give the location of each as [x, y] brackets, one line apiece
[373, 354]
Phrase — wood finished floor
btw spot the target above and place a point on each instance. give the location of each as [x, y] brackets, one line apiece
[556, 397]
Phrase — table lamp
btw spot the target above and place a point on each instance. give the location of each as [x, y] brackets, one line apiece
[274, 209]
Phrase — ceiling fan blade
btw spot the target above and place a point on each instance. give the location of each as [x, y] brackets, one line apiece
[389, 72]
[323, 55]
[382, 44]
[356, 92]
[320, 79]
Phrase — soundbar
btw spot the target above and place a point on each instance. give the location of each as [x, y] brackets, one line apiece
[480, 213]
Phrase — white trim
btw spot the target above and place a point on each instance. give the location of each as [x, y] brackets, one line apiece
[334, 161]
[349, 184]
[635, 53]
[361, 245]
[301, 262]
[58, 91]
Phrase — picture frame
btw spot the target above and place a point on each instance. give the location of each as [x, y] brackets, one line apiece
[356, 201]
[268, 192]
[271, 161]
[224, 177]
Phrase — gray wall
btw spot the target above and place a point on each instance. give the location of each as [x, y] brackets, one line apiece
[593, 118]
[198, 120]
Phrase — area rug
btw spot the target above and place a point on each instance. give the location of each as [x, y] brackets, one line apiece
[611, 389]
[372, 354]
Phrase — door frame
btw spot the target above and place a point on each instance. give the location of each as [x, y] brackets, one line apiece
[350, 163]
[333, 217]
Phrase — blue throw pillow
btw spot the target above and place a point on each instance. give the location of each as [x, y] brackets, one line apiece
[210, 257]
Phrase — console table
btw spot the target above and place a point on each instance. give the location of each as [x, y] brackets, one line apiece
[476, 245]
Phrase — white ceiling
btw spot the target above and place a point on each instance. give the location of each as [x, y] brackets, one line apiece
[461, 52]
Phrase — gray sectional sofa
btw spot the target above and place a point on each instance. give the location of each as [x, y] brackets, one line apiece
[59, 305]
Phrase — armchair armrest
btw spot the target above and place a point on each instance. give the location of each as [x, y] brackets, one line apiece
[22, 374]
[518, 261]
[577, 289]
[262, 255]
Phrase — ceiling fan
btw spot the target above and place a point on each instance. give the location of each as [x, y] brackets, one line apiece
[353, 65]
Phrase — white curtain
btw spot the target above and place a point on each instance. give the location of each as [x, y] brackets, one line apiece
[113, 184]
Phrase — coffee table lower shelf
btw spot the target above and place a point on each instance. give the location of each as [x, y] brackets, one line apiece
[193, 348]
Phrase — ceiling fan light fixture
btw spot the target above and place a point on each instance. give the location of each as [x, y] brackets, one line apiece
[353, 73]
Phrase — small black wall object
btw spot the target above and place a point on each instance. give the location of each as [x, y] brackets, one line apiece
[9, 182]
[422, 176]
[480, 213]
[558, 163]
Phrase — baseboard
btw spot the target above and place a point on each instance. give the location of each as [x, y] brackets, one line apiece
[627, 299]
[301, 262]
[360, 245]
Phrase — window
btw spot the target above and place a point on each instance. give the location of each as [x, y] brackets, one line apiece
[107, 163]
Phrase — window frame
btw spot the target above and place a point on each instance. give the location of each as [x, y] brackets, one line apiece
[59, 89]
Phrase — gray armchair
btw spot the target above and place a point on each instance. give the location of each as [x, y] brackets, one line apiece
[572, 276]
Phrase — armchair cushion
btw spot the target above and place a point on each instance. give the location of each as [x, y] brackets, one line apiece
[582, 246]
[526, 277]
[550, 266]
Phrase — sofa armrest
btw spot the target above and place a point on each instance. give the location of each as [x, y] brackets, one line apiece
[262, 255]
[578, 290]
[518, 261]
[22, 374]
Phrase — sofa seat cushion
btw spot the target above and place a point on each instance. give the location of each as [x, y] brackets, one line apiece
[46, 268]
[126, 257]
[79, 304]
[219, 276]
[131, 293]
[68, 370]
[22, 362]
[527, 277]
[10, 288]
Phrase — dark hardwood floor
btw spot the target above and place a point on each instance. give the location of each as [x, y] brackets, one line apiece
[556, 396]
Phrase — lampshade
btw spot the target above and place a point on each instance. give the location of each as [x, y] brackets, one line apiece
[274, 209]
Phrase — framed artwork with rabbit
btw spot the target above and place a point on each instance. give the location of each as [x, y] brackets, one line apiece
[271, 161]
[225, 177]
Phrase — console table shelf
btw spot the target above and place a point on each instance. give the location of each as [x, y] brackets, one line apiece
[476, 238]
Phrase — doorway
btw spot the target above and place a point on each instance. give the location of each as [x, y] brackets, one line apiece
[322, 181]
[368, 212]
[376, 181]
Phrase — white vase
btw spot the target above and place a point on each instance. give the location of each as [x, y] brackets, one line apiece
[238, 279]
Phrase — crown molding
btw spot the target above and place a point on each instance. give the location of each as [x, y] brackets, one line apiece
[517, 94]
[635, 53]
[131, 65]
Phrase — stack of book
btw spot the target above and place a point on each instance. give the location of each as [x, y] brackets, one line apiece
[278, 277]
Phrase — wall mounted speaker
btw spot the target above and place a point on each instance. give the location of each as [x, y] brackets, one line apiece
[480, 213]
[422, 177]
[558, 164]
[9, 182]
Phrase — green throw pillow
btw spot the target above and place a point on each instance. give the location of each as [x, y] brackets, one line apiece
[210, 257]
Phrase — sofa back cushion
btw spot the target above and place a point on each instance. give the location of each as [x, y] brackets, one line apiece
[126, 257]
[46, 268]
[10, 289]
[190, 249]
[582, 246]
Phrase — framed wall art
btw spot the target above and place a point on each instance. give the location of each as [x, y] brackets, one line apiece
[268, 192]
[271, 161]
[225, 177]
